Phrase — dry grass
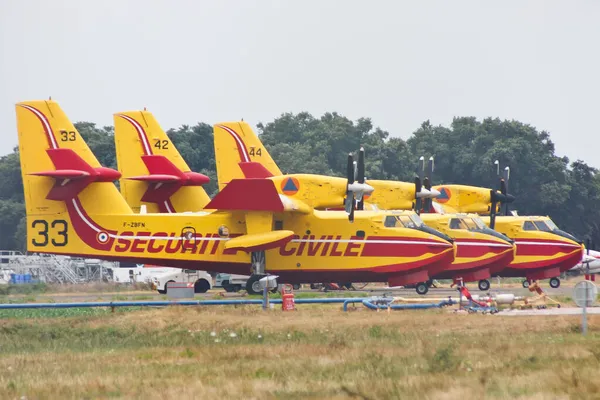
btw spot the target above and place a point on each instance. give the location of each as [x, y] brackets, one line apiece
[317, 352]
[98, 287]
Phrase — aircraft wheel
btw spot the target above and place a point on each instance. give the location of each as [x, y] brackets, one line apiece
[228, 287]
[297, 286]
[554, 283]
[484, 285]
[201, 286]
[525, 283]
[422, 288]
[252, 285]
[162, 291]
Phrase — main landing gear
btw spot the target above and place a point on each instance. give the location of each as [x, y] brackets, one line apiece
[484, 285]
[423, 287]
[258, 262]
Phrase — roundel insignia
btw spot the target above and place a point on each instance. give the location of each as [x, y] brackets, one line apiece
[290, 186]
[102, 237]
[445, 195]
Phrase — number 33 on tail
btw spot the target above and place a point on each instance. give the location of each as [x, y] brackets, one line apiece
[55, 232]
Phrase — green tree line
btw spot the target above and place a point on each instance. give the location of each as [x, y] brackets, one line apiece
[543, 183]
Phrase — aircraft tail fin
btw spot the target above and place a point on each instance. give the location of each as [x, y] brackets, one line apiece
[57, 165]
[239, 151]
[154, 173]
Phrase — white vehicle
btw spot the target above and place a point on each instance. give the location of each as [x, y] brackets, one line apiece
[231, 282]
[201, 279]
[140, 273]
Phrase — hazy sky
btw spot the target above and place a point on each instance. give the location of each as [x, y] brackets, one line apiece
[397, 62]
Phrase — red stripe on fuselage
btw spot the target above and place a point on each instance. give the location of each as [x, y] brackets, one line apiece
[479, 269]
[563, 264]
[84, 231]
[475, 248]
[537, 247]
[418, 248]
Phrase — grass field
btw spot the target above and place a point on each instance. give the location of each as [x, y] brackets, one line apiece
[316, 352]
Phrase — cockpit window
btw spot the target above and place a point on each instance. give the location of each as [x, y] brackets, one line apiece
[390, 221]
[470, 224]
[400, 221]
[541, 225]
[406, 221]
[480, 224]
[551, 224]
[529, 226]
[458, 223]
[416, 220]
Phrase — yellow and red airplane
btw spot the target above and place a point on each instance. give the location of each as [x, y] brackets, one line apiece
[481, 252]
[543, 250]
[130, 147]
[73, 208]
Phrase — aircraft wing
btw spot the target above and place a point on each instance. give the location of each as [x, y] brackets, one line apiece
[259, 241]
[259, 201]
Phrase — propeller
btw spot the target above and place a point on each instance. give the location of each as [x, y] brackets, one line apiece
[419, 184]
[349, 201]
[502, 197]
[504, 188]
[428, 202]
[361, 178]
[356, 186]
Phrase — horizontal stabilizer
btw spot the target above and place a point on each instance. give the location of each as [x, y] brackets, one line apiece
[165, 178]
[259, 241]
[73, 174]
[63, 174]
[155, 178]
[248, 195]
[254, 170]
[161, 165]
[195, 179]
